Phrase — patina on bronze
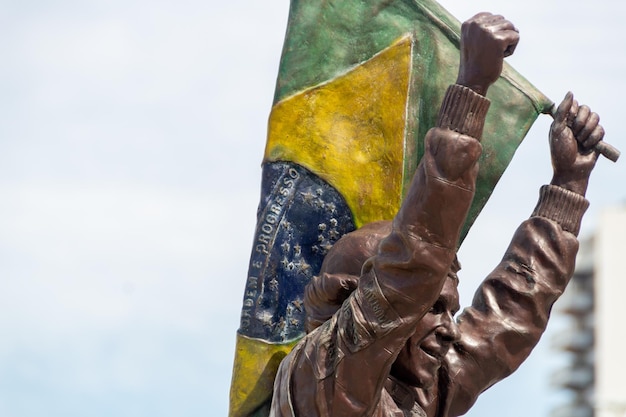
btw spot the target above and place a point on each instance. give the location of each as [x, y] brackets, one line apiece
[382, 339]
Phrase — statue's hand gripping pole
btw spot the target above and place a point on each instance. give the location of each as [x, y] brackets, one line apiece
[608, 151]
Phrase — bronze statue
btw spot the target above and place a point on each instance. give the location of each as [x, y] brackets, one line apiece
[382, 339]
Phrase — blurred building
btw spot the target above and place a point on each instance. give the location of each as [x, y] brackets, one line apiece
[595, 338]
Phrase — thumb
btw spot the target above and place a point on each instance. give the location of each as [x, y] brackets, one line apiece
[561, 116]
[564, 108]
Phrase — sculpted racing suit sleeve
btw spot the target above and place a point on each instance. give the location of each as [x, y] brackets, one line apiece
[510, 309]
[340, 368]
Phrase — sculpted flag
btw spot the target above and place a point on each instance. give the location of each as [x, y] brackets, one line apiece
[359, 85]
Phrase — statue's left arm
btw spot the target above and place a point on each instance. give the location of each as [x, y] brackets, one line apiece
[511, 308]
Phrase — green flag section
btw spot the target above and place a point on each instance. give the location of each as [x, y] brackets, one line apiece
[360, 83]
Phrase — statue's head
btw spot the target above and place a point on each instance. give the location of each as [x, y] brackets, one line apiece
[420, 359]
[422, 355]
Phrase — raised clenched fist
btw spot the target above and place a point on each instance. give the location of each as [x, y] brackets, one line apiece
[486, 39]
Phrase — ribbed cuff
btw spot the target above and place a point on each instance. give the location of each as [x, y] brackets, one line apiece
[463, 111]
[563, 206]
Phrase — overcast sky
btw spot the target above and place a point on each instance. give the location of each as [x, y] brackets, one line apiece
[131, 135]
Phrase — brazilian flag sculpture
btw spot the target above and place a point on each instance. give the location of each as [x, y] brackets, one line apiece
[359, 85]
